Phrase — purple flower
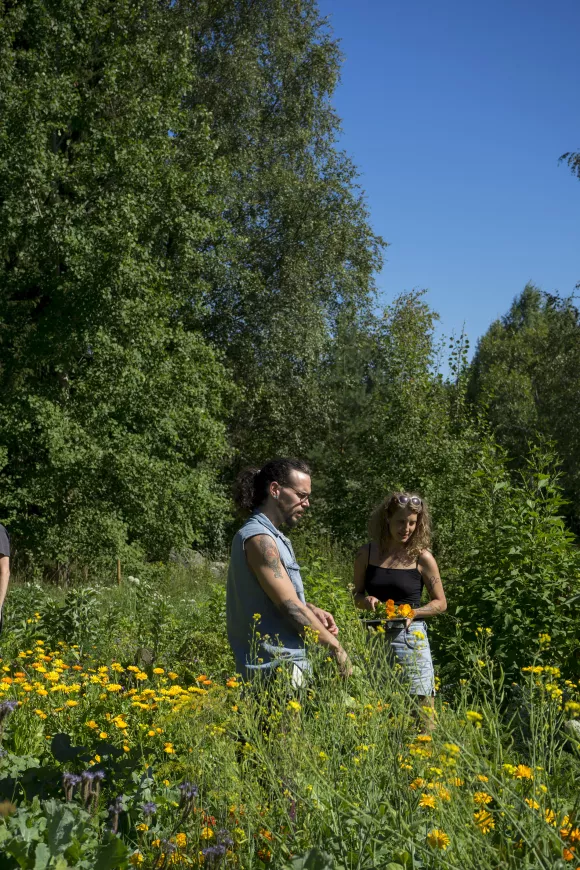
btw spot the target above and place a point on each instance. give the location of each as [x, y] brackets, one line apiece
[189, 790]
[213, 854]
[149, 808]
[7, 707]
[99, 774]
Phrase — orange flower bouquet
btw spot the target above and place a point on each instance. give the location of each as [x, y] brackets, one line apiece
[390, 610]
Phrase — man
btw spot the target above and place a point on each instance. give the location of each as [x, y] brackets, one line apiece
[4, 569]
[265, 593]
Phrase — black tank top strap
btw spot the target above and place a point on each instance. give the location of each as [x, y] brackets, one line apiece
[369, 554]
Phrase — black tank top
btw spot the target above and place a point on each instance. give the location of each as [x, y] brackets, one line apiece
[402, 585]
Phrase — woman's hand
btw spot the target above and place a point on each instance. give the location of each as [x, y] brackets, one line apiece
[408, 623]
[371, 602]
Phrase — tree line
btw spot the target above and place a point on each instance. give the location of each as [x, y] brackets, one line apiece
[187, 286]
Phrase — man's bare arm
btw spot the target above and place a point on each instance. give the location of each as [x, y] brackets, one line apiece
[4, 577]
[264, 561]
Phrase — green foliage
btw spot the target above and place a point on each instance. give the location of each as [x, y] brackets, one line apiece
[112, 406]
[520, 565]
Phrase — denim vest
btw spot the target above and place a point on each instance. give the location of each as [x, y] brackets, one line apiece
[245, 597]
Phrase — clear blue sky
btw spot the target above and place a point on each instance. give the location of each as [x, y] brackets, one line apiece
[455, 113]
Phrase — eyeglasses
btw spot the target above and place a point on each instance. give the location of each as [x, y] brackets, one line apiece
[302, 496]
[408, 501]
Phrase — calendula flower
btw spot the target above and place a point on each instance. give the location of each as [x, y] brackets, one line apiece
[417, 783]
[438, 839]
[481, 798]
[428, 800]
[181, 840]
[136, 859]
[522, 771]
[484, 821]
[424, 738]
[207, 833]
[550, 817]
[482, 777]
[294, 705]
[71, 703]
[474, 717]
[158, 671]
[568, 854]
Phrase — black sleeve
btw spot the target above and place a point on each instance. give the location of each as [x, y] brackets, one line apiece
[4, 542]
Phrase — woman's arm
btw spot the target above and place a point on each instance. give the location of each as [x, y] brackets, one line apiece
[362, 601]
[430, 573]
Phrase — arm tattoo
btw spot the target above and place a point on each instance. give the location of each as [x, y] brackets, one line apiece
[431, 582]
[271, 556]
[293, 613]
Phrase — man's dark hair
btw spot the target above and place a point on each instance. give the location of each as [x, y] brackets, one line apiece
[252, 484]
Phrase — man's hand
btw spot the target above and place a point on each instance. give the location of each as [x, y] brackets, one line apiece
[326, 618]
[344, 663]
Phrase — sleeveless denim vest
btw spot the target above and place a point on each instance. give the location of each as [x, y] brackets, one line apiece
[278, 642]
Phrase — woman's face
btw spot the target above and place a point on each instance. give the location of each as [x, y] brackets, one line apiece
[402, 524]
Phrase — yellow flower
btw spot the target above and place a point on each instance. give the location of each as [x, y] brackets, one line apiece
[481, 798]
[522, 771]
[206, 833]
[544, 638]
[550, 817]
[114, 687]
[452, 747]
[484, 821]
[441, 791]
[151, 734]
[482, 777]
[92, 724]
[532, 803]
[136, 859]
[158, 671]
[424, 738]
[232, 683]
[474, 716]
[438, 839]
[456, 781]
[294, 705]
[428, 800]
[181, 840]
[71, 703]
[41, 714]
[419, 782]
[168, 748]
[172, 675]
[103, 735]
[141, 827]
[141, 675]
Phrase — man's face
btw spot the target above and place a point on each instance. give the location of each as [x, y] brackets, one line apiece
[292, 498]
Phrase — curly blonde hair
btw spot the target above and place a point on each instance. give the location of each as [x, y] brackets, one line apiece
[379, 524]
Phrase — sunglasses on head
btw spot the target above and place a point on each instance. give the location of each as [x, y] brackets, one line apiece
[404, 500]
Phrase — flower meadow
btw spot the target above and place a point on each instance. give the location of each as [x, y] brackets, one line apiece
[130, 741]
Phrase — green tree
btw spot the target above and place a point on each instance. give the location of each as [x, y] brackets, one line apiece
[525, 377]
[301, 246]
[112, 420]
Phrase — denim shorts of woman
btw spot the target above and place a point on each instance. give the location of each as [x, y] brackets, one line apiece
[410, 649]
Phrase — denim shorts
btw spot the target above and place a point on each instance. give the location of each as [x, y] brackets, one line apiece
[411, 650]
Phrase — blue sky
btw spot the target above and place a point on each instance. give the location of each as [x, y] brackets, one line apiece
[456, 113]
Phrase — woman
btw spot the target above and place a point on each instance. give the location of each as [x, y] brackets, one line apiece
[396, 564]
